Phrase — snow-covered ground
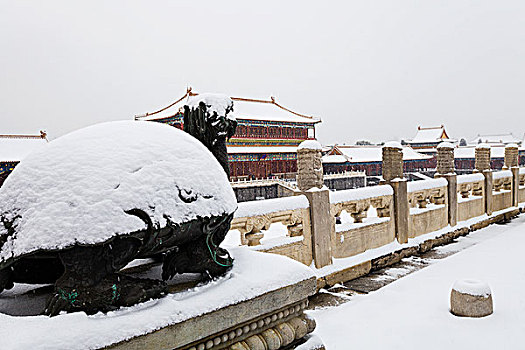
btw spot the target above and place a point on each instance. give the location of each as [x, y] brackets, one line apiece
[413, 312]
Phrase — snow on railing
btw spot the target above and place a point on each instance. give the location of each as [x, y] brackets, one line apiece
[360, 193]
[496, 175]
[502, 180]
[424, 192]
[356, 202]
[469, 178]
[471, 184]
[414, 186]
[252, 218]
[255, 208]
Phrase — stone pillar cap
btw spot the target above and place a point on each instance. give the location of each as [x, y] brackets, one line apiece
[310, 144]
[483, 146]
[511, 145]
[393, 144]
[445, 145]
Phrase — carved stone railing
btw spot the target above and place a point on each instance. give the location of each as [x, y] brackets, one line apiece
[421, 193]
[253, 217]
[471, 201]
[351, 238]
[428, 211]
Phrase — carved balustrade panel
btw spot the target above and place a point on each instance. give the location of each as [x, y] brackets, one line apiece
[477, 188]
[251, 228]
[507, 183]
[465, 189]
[498, 184]
[358, 209]
[421, 198]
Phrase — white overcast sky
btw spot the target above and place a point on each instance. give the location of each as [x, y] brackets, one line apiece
[370, 69]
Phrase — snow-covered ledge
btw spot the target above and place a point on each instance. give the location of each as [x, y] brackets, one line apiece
[262, 295]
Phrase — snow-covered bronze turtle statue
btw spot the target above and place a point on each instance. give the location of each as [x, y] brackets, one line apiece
[88, 203]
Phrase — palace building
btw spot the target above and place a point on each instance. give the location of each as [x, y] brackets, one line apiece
[265, 142]
[427, 139]
[13, 148]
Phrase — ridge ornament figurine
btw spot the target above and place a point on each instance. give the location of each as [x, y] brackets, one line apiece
[77, 211]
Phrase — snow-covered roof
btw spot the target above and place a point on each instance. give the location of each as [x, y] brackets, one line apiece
[13, 148]
[77, 189]
[261, 149]
[243, 108]
[367, 154]
[496, 138]
[430, 135]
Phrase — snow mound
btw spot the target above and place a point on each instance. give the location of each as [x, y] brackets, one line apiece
[76, 189]
[511, 145]
[219, 103]
[472, 287]
[310, 144]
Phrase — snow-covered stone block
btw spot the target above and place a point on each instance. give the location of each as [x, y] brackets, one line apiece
[471, 298]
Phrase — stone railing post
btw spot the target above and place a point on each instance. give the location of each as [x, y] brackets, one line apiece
[446, 169]
[393, 175]
[511, 163]
[310, 183]
[482, 165]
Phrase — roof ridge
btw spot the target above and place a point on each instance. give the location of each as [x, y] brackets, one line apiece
[271, 101]
[431, 127]
[7, 136]
[188, 93]
[251, 100]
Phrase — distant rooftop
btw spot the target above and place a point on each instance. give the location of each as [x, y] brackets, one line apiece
[13, 148]
[366, 154]
[243, 108]
[430, 135]
[496, 139]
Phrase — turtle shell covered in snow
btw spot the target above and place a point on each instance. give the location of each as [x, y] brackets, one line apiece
[77, 189]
